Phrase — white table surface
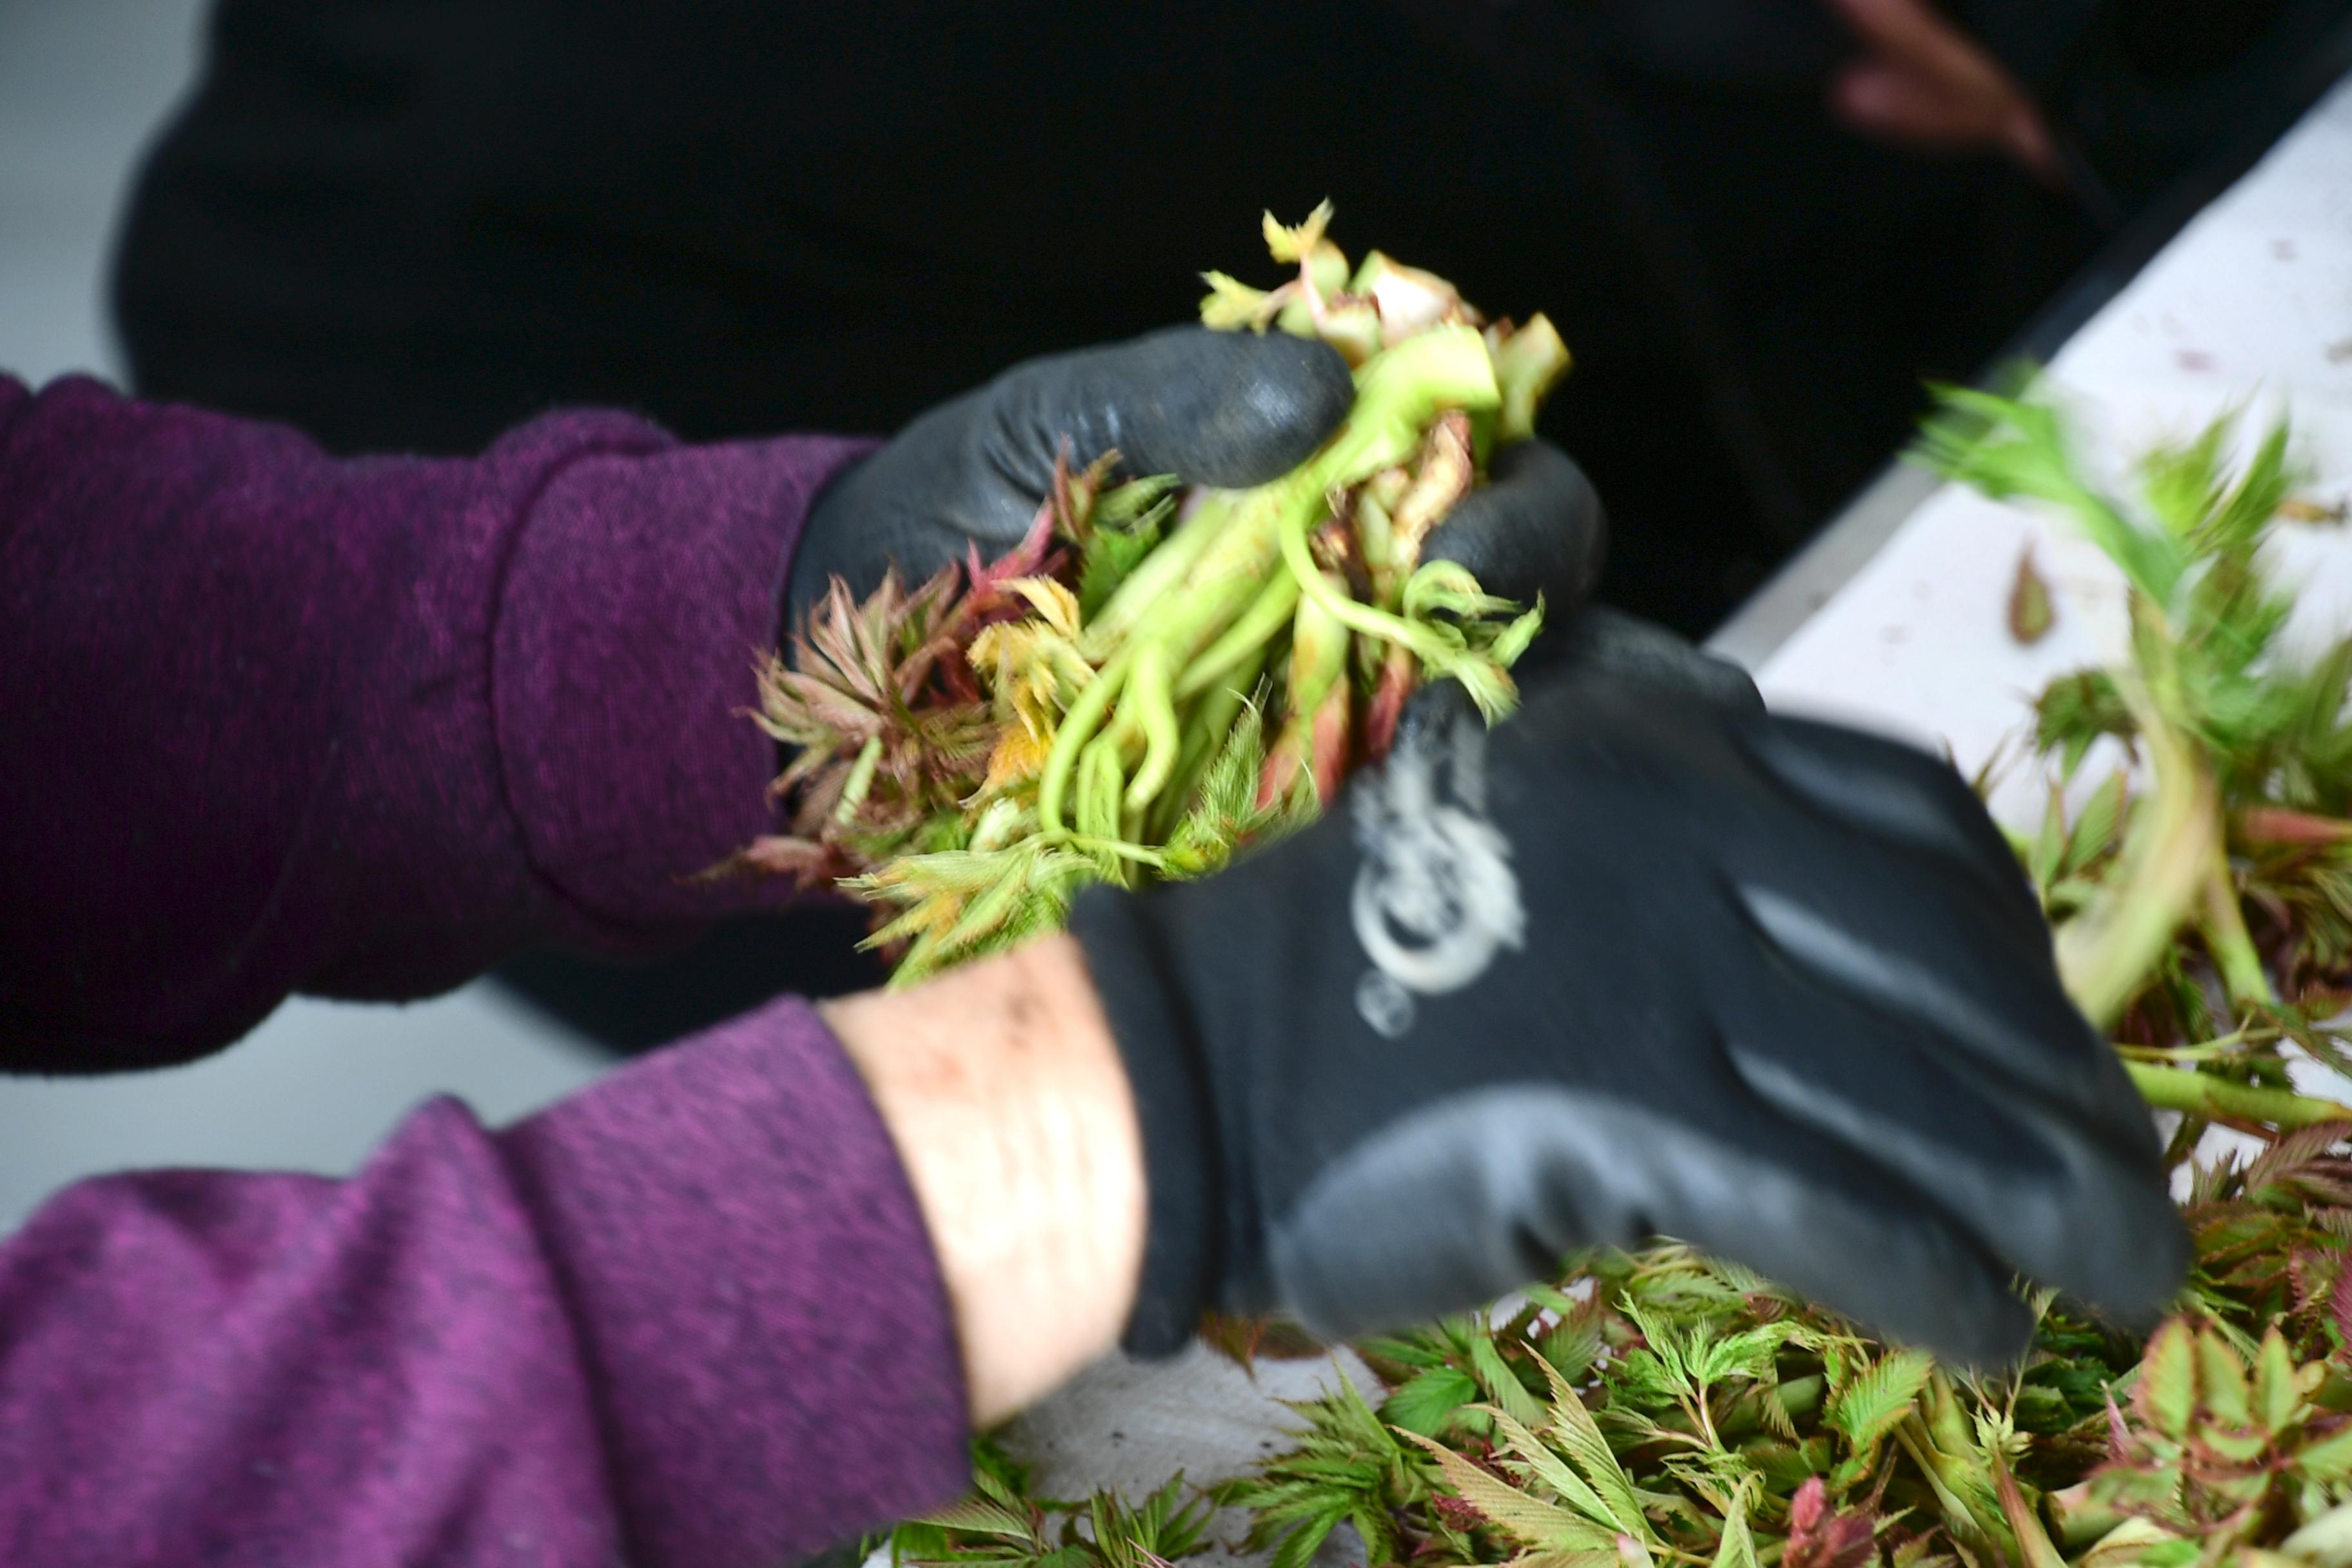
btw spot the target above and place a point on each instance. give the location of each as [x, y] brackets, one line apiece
[2249, 307]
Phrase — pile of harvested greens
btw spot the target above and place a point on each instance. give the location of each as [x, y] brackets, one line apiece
[1150, 680]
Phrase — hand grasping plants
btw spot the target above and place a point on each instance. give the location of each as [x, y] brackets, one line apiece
[1639, 962]
[1226, 409]
[1139, 684]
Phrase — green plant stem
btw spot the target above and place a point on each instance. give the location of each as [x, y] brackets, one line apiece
[2227, 939]
[1206, 728]
[1077, 728]
[1245, 639]
[1486, 683]
[1398, 392]
[2203, 1094]
[1149, 697]
[1318, 665]
[1117, 848]
[1162, 569]
[2203, 1051]
[860, 782]
[1100, 783]
[2105, 953]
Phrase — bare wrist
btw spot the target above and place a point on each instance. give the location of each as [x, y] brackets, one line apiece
[1003, 1089]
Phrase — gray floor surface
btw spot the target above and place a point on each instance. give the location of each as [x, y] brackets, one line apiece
[83, 86]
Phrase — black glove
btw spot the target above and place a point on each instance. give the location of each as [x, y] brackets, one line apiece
[1644, 960]
[1213, 408]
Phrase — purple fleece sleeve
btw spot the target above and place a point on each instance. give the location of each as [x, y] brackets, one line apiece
[687, 1317]
[274, 721]
[277, 722]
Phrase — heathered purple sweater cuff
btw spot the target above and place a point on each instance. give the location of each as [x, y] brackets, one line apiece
[759, 1306]
[687, 1318]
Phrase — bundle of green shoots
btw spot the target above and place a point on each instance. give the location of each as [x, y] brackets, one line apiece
[1666, 1408]
[1148, 681]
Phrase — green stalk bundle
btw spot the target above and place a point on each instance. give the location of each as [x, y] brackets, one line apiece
[1145, 684]
[1662, 1407]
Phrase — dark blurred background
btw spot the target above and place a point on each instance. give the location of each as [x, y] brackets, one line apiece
[1760, 225]
[84, 85]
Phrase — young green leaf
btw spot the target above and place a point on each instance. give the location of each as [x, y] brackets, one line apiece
[1867, 1409]
[1573, 1428]
[1501, 1384]
[2221, 1380]
[1423, 1403]
[2276, 1395]
[2168, 1379]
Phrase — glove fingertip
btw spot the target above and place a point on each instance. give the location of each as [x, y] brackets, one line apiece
[1291, 394]
[1535, 527]
[1597, 642]
[1229, 409]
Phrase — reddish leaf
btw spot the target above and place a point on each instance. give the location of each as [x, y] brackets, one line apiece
[1328, 742]
[804, 860]
[1821, 1538]
[1456, 1512]
[1245, 1340]
[2277, 825]
[1400, 674]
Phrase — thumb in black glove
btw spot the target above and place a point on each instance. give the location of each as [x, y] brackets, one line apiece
[1644, 960]
[1216, 408]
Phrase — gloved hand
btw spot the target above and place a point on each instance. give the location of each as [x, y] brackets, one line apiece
[1213, 408]
[1642, 960]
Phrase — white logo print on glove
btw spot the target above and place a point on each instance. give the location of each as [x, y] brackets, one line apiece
[1435, 897]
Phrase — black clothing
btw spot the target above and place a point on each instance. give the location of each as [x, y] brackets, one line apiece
[410, 227]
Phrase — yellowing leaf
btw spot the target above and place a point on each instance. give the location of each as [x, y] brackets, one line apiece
[1054, 604]
[1232, 303]
[1287, 244]
[1019, 756]
[2031, 614]
[2275, 1395]
[1527, 1519]
[2326, 1540]
[2168, 1379]
[2221, 1377]
[1552, 1470]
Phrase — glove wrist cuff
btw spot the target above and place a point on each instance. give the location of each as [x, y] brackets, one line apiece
[1165, 1070]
